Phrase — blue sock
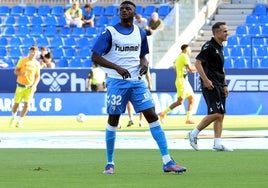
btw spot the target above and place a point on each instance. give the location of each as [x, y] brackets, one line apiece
[110, 140]
[160, 138]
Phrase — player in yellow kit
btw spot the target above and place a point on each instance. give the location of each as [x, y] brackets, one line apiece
[28, 76]
[184, 89]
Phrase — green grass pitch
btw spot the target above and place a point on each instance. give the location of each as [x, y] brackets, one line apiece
[79, 168]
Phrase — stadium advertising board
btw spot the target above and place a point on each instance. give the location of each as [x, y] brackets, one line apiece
[74, 80]
[73, 103]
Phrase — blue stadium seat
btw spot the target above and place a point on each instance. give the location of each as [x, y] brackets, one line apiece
[62, 63]
[23, 20]
[254, 30]
[148, 10]
[9, 21]
[70, 53]
[264, 62]
[9, 61]
[76, 63]
[163, 11]
[61, 21]
[139, 9]
[91, 32]
[260, 9]
[30, 10]
[236, 51]
[82, 42]
[15, 52]
[42, 41]
[58, 53]
[92, 42]
[228, 63]
[263, 19]
[4, 10]
[65, 31]
[102, 21]
[262, 51]
[78, 32]
[57, 42]
[98, 10]
[3, 42]
[3, 52]
[23, 30]
[88, 63]
[9, 31]
[258, 41]
[28, 41]
[44, 10]
[37, 20]
[110, 10]
[226, 51]
[84, 53]
[256, 63]
[50, 20]
[252, 19]
[233, 40]
[16, 10]
[247, 52]
[51, 31]
[70, 42]
[57, 10]
[36, 31]
[245, 40]
[114, 20]
[265, 29]
[240, 63]
[242, 30]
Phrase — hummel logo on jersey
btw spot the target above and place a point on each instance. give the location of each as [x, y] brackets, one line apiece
[218, 104]
[126, 48]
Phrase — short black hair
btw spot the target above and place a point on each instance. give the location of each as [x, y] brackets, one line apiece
[217, 26]
[184, 46]
[87, 6]
[34, 48]
[128, 2]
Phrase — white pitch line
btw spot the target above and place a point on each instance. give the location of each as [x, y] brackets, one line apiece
[129, 140]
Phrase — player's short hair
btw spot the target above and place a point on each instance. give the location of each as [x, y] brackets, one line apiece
[128, 2]
[184, 46]
[217, 26]
[87, 6]
[34, 48]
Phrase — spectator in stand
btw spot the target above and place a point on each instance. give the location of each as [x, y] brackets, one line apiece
[155, 24]
[88, 16]
[141, 22]
[74, 15]
[45, 59]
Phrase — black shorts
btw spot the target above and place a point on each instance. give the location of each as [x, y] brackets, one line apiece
[215, 99]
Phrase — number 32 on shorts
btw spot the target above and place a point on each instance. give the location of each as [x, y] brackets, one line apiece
[114, 100]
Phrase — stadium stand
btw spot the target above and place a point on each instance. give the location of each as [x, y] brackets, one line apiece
[44, 24]
[248, 46]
